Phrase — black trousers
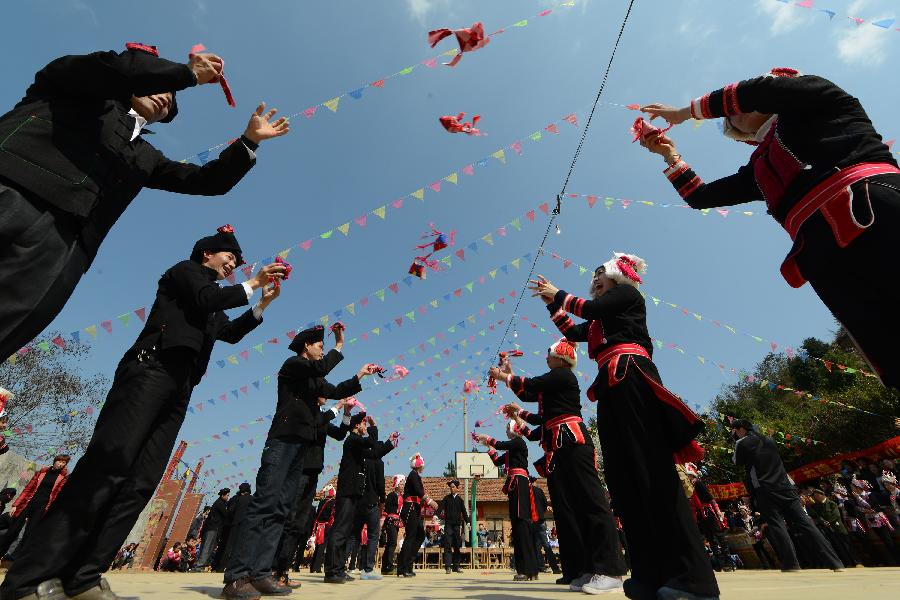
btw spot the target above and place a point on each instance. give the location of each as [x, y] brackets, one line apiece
[28, 520]
[208, 545]
[452, 542]
[575, 472]
[568, 530]
[40, 264]
[318, 557]
[523, 544]
[387, 559]
[412, 540]
[664, 544]
[292, 536]
[762, 553]
[542, 544]
[842, 545]
[337, 545]
[86, 526]
[869, 311]
[712, 530]
[776, 506]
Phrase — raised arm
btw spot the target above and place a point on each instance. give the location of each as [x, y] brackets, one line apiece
[302, 367]
[614, 302]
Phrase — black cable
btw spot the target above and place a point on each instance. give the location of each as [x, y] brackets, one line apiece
[556, 211]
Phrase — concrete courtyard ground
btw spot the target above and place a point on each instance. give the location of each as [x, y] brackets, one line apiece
[861, 583]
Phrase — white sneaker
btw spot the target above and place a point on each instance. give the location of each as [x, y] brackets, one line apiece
[578, 582]
[600, 584]
[355, 571]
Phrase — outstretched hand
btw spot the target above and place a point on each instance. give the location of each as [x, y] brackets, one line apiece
[261, 127]
[543, 288]
[270, 292]
[207, 68]
[674, 116]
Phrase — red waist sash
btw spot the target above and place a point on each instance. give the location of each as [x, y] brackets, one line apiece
[833, 198]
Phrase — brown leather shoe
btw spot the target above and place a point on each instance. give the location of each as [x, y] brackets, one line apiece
[101, 591]
[267, 586]
[241, 589]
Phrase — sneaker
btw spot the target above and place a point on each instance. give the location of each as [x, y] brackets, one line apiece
[389, 571]
[564, 580]
[447, 570]
[241, 589]
[370, 576]
[355, 571]
[339, 578]
[578, 582]
[521, 577]
[349, 577]
[600, 584]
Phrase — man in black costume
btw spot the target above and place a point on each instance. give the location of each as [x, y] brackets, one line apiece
[72, 158]
[295, 426]
[352, 484]
[777, 499]
[137, 428]
[455, 519]
[214, 524]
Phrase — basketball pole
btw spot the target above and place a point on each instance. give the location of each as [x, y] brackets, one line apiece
[466, 480]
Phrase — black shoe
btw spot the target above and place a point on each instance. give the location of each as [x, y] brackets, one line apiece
[348, 577]
[406, 574]
[638, 590]
[667, 593]
[792, 570]
[339, 578]
[457, 570]
[389, 571]
[556, 571]
[521, 577]
[241, 589]
[267, 586]
[564, 580]
[447, 570]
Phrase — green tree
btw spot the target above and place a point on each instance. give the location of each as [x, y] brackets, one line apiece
[55, 406]
[819, 375]
[450, 469]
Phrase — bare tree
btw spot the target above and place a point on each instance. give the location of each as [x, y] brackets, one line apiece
[55, 404]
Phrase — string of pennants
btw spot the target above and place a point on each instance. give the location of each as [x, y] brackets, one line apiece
[408, 387]
[788, 438]
[791, 352]
[357, 94]
[885, 24]
[361, 221]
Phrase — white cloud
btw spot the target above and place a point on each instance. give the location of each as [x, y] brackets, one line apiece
[785, 17]
[419, 9]
[861, 46]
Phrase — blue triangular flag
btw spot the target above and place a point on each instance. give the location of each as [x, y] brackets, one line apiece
[221, 364]
[256, 384]
[408, 280]
[446, 297]
[357, 94]
[234, 393]
[76, 335]
[203, 157]
[482, 163]
[505, 269]
[211, 401]
[473, 247]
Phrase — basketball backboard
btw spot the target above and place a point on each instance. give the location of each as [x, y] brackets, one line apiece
[475, 465]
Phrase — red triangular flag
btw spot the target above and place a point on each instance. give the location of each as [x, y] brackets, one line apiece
[530, 215]
[461, 254]
[545, 207]
[141, 313]
[107, 325]
[59, 342]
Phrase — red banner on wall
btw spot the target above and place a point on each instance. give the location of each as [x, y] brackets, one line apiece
[815, 470]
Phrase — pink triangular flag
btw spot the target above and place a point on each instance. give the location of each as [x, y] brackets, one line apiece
[469, 169]
[516, 147]
[245, 354]
[461, 254]
[398, 204]
[141, 313]
[107, 325]
[591, 200]
[530, 215]
[309, 112]
[361, 220]
[306, 245]
[436, 186]
[544, 208]
[552, 128]
[394, 287]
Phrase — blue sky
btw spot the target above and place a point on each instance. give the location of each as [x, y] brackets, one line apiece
[379, 148]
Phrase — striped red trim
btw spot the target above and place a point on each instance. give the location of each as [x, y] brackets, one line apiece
[517, 384]
[567, 302]
[524, 414]
[142, 48]
[730, 104]
[690, 187]
[704, 107]
[672, 176]
[579, 306]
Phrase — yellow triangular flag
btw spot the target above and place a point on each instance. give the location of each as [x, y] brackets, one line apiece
[500, 155]
[92, 330]
[489, 239]
[379, 211]
[333, 104]
[284, 253]
[515, 263]
[419, 193]
[451, 178]
[493, 273]
[351, 308]
[345, 228]
[324, 320]
[233, 359]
